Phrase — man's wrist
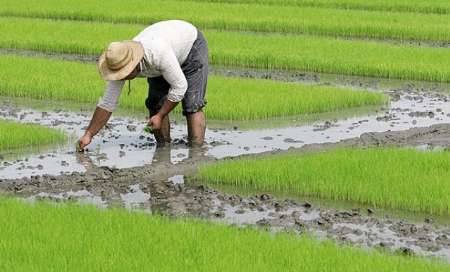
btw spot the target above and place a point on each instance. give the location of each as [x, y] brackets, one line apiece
[89, 134]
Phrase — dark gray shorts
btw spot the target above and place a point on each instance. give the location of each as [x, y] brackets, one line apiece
[195, 69]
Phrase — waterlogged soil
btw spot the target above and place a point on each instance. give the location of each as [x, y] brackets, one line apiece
[124, 168]
[124, 143]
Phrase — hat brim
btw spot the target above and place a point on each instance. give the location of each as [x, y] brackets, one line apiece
[108, 74]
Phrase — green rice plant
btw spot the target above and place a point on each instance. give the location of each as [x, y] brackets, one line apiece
[405, 179]
[228, 98]
[302, 52]
[15, 135]
[435, 6]
[247, 17]
[69, 237]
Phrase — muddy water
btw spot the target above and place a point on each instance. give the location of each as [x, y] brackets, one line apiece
[124, 143]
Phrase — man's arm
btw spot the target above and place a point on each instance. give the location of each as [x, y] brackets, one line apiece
[172, 73]
[155, 120]
[102, 112]
[98, 121]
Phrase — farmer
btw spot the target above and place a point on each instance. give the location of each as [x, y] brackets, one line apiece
[173, 56]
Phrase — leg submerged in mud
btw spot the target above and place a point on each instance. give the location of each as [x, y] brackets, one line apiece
[196, 125]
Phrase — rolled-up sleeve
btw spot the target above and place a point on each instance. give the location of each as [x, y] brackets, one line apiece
[172, 73]
[110, 99]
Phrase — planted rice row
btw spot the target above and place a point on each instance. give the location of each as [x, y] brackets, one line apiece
[15, 135]
[405, 179]
[275, 51]
[46, 237]
[250, 99]
[264, 18]
[435, 6]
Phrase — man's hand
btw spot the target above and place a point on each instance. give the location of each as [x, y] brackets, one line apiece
[85, 140]
[99, 119]
[155, 122]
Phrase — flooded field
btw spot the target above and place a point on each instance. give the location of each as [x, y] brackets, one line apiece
[125, 144]
[287, 79]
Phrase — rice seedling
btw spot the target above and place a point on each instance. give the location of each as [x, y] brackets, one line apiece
[15, 135]
[249, 98]
[69, 237]
[294, 52]
[436, 6]
[266, 18]
[393, 178]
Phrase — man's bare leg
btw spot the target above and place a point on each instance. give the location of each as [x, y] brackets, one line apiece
[162, 136]
[196, 124]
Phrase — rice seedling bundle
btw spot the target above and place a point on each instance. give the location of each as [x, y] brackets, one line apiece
[228, 98]
[15, 135]
[264, 18]
[275, 51]
[393, 178]
[82, 238]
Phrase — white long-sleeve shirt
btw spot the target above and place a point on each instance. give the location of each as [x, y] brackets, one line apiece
[166, 46]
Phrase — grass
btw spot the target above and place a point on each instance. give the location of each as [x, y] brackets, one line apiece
[303, 52]
[435, 6]
[15, 135]
[391, 178]
[266, 18]
[228, 98]
[45, 237]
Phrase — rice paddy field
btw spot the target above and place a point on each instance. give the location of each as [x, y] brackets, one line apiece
[275, 51]
[326, 149]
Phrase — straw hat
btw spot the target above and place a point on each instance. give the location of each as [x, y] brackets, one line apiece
[120, 59]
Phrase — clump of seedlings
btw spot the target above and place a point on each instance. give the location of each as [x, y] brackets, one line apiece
[16, 135]
[107, 240]
[250, 99]
[266, 18]
[405, 179]
[273, 51]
